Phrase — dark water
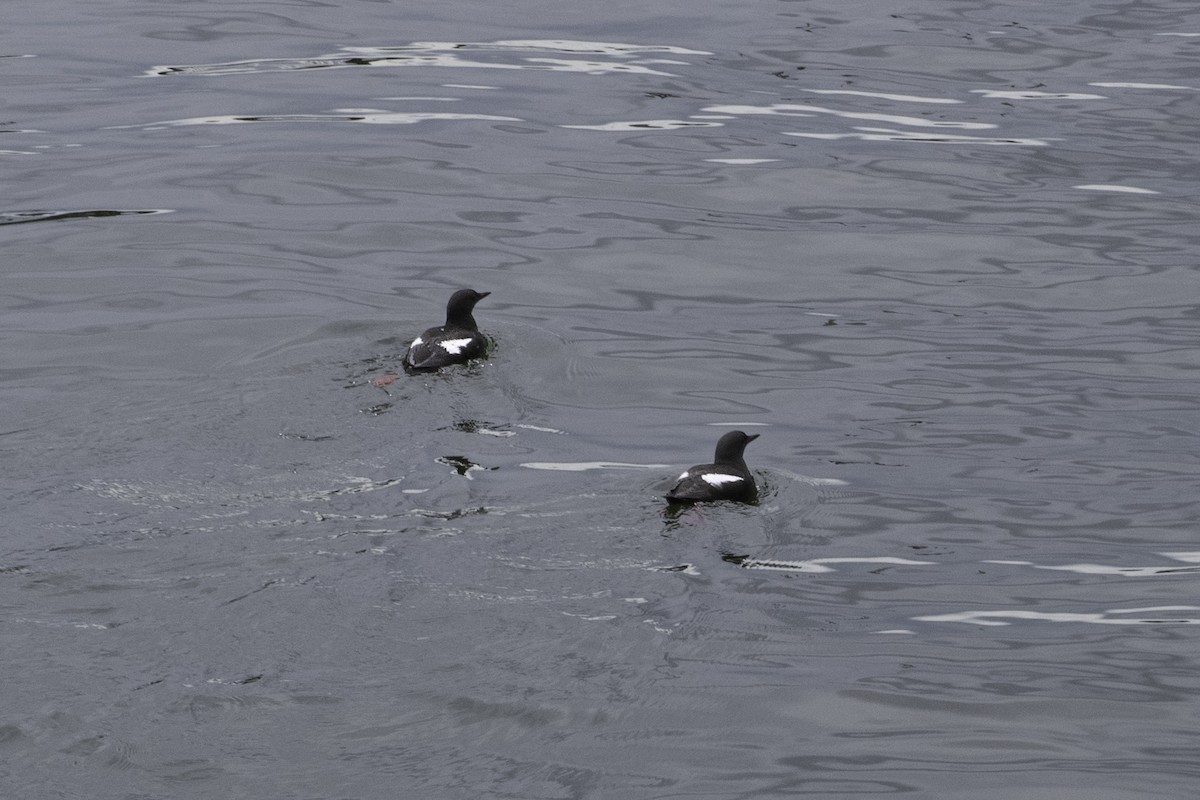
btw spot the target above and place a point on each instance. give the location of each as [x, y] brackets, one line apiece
[941, 256]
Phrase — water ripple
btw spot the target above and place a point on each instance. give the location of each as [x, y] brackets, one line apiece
[21, 217]
[646, 124]
[794, 110]
[446, 54]
[367, 116]
[889, 135]
[1153, 616]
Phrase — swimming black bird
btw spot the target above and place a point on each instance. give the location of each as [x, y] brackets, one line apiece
[456, 342]
[727, 478]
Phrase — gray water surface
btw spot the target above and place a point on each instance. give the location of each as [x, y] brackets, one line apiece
[941, 256]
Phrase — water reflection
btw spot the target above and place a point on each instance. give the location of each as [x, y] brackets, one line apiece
[646, 124]
[818, 564]
[1108, 187]
[583, 466]
[367, 116]
[1111, 569]
[795, 110]
[1028, 94]
[20, 217]
[1128, 85]
[889, 135]
[1147, 616]
[899, 98]
[447, 54]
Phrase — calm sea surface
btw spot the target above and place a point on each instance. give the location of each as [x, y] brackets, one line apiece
[943, 256]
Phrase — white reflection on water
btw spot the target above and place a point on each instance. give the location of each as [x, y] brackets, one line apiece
[819, 564]
[541, 428]
[408, 60]
[739, 162]
[432, 98]
[901, 98]
[1127, 85]
[644, 124]
[583, 466]
[793, 110]
[1110, 187]
[588, 67]
[368, 116]
[1108, 569]
[1035, 95]
[887, 135]
[1149, 615]
[446, 54]
[561, 45]
[1101, 618]
[1188, 556]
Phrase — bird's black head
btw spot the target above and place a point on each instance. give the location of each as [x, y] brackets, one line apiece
[458, 310]
[731, 446]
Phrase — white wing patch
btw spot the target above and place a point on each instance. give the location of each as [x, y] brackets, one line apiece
[454, 346]
[717, 479]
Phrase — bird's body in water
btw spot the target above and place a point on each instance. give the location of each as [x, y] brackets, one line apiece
[456, 342]
[727, 478]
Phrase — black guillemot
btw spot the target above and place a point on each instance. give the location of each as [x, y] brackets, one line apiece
[727, 478]
[456, 342]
